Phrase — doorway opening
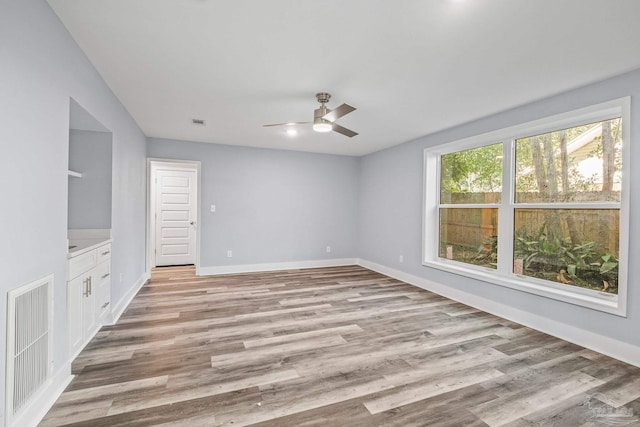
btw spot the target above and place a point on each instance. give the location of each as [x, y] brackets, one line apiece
[174, 205]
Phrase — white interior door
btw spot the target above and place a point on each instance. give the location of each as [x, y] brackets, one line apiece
[175, 215]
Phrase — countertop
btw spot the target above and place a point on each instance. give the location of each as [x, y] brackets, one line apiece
[80, 246]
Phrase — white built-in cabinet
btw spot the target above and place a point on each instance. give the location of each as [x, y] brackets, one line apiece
[88, 294]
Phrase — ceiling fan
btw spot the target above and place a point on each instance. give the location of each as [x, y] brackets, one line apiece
[324, 118]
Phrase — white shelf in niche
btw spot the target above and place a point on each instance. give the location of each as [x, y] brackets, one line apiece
[74, 174]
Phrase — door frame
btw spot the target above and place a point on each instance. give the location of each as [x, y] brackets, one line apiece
[151, 208]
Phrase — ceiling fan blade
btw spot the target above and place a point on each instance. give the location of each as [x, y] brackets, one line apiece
[343, 130]
[285, 124]
[338, 112]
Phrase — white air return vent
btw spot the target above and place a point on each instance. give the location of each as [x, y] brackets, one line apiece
[29, 343]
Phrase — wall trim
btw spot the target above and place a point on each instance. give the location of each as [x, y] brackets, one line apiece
[124, 302]
[294, 265]
[611, 347]
[43, 400]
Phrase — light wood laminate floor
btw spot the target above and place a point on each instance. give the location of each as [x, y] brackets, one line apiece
[340, 346]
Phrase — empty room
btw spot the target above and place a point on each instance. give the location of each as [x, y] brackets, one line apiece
[320, 213]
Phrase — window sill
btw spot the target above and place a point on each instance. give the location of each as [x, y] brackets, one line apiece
[608, 303]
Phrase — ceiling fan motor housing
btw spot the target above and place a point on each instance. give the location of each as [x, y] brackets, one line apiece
[320, 124]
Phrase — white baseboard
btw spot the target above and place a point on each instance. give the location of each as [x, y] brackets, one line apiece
[43, 400]
[295, 265]
[602, 344]
[121, 306]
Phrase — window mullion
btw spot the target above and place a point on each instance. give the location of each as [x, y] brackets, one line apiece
[505, 210]
[469, 205]
[571, 205]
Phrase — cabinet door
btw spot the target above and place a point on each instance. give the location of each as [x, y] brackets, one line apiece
[75, 289]
[89, 317]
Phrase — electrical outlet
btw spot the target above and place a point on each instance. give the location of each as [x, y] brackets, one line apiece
[213, 208]
[328, 249]
[121, 277]
[401, 259]
[229, 253]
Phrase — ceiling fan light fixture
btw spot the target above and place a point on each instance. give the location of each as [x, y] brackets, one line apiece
[322, 126]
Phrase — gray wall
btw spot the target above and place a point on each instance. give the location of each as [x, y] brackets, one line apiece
[90, 195]
[42, 67]
[271, 205]
[390, 203]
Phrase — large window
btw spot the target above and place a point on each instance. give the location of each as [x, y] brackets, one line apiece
[540, 207]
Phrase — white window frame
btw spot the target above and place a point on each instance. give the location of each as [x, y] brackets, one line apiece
[503, 275]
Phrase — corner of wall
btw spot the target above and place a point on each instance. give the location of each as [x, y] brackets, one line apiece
[126, 299]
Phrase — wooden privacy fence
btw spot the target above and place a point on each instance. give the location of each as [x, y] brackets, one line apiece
[468, 227]
[473, 227]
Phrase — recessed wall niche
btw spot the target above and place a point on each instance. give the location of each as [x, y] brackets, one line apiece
[90, 171]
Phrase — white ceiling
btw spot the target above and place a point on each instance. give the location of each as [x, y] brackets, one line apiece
[411, 67]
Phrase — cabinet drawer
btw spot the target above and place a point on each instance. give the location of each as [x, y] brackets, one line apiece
[81, 263]
[103, 272]
[103, 287]
[104, 252]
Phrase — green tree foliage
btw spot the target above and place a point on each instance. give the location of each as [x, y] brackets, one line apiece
[546, 171]
[472, 171]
